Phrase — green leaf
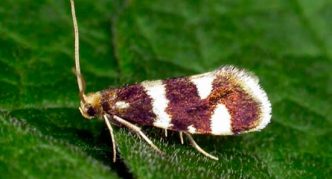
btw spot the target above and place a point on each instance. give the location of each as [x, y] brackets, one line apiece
[288, 44]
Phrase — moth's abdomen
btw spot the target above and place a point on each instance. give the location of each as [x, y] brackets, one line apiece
[223, 102]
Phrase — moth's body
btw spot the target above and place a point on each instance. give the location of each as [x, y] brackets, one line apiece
[222, 102]
[226, 101]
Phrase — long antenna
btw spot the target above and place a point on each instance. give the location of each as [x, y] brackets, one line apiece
[80, 80]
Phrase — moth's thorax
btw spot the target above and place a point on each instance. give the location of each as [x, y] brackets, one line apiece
[91, 105]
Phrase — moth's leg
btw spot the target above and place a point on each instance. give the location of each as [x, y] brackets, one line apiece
[138, 131]
[198, 148]
[165, 132]
[109, 126]
[181, 137]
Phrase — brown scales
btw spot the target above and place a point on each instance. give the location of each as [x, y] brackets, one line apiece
[187, 108]
[140, 109]
[185, 105]
[242, 107]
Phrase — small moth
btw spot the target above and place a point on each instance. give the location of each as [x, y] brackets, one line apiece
[227, 101]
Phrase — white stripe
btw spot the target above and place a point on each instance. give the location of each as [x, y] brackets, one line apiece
[156, 90]
[191, 129]
[221, 121]
[122, 105]
[203, 84]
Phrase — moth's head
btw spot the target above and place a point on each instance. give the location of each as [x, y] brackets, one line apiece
[91, 105]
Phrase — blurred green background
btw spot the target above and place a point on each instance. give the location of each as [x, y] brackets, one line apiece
[287, 43]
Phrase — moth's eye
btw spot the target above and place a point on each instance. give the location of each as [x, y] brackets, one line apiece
[91, 111]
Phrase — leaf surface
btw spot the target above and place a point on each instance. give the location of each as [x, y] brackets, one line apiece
[287, 44]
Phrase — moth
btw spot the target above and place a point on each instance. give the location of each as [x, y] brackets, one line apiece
[227, 101]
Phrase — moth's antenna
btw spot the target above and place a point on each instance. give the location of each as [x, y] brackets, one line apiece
[80, 80]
